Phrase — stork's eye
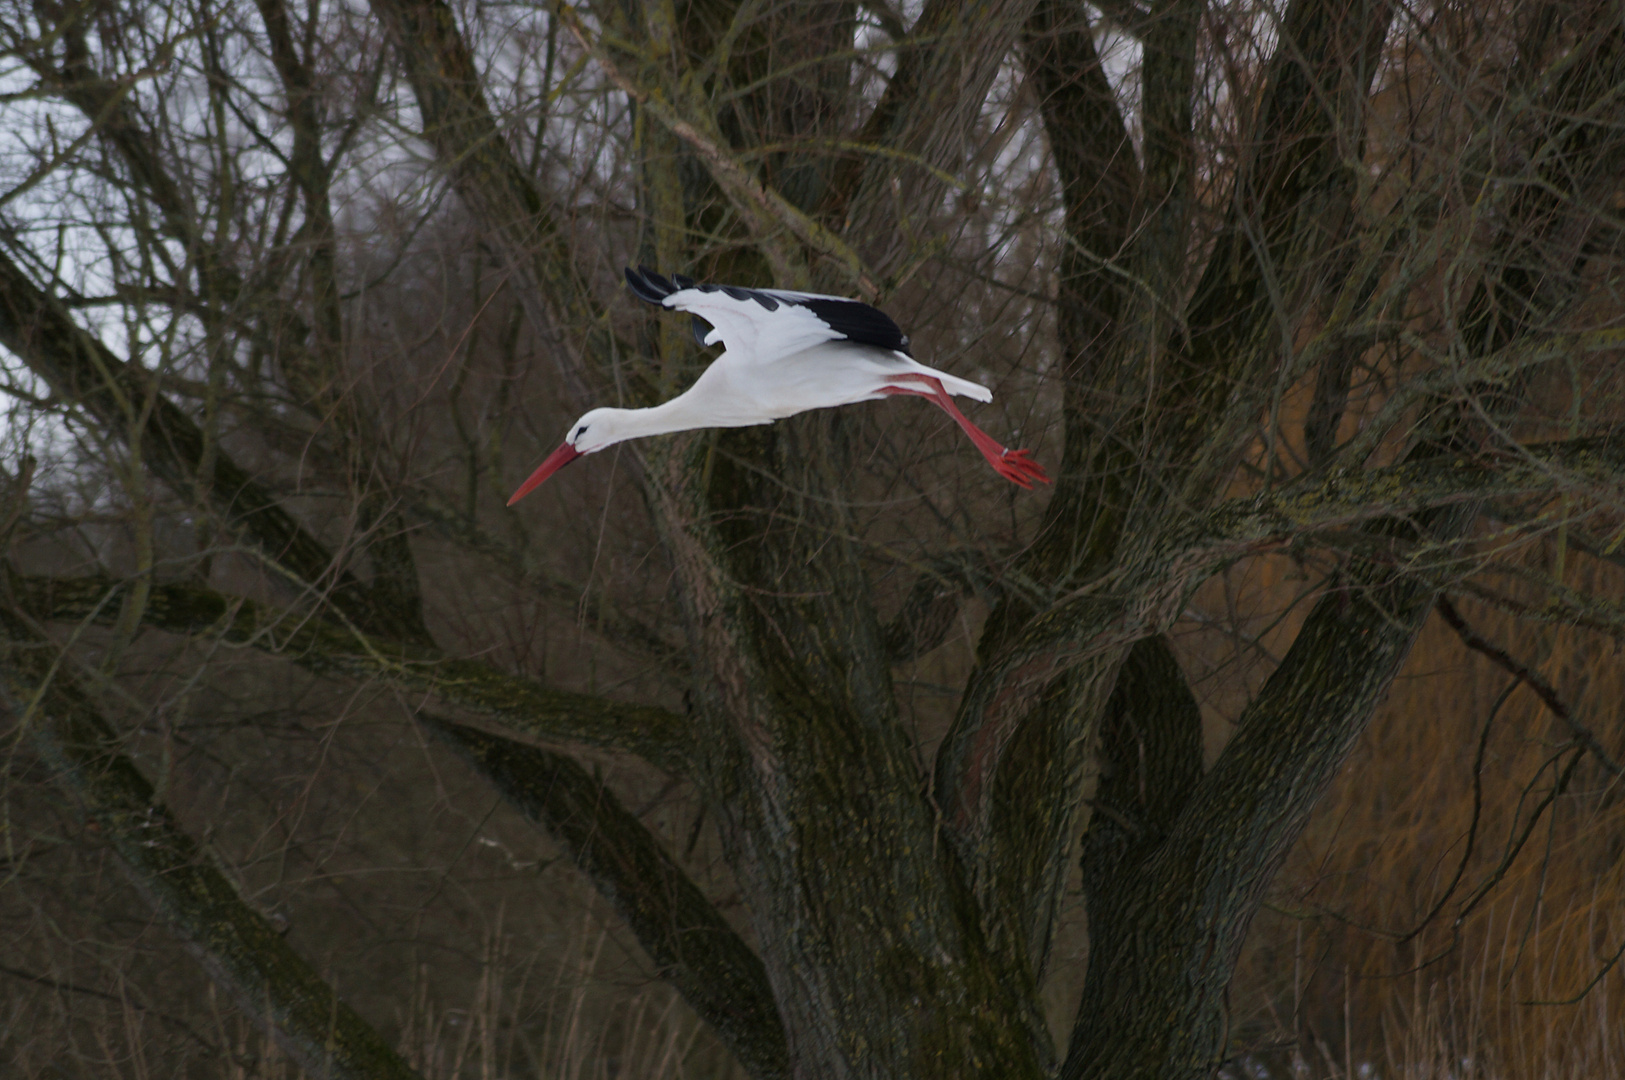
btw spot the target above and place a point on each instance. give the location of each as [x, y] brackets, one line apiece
[580, 431]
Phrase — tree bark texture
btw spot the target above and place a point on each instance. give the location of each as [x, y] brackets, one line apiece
[1173, 880]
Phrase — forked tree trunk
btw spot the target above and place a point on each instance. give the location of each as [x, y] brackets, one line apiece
[871, 943]
[1176, 863]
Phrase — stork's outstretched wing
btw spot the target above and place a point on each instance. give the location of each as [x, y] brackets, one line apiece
[764, 325]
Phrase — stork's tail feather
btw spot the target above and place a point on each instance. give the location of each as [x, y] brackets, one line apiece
[957, 386]
[966, 388]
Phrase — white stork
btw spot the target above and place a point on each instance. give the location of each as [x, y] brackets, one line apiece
[783, 353]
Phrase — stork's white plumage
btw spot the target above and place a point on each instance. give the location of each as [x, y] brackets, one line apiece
[783, 353]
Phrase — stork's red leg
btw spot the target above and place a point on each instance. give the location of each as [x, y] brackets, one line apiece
[1015, 466]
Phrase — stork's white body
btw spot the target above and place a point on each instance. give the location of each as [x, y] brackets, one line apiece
[739, 392]
[783, 353]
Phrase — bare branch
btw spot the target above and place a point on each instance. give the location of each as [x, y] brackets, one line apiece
[316, 373]
[330, 649]
[1524, 674]
[1147, 589]
[692, 946]
[489, 180]
[80, 369]
[236, 945]
[944, 70]
[768, 211]
[1562, 606]
[112, 118]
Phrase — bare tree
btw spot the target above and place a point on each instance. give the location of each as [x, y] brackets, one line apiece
[295, 296]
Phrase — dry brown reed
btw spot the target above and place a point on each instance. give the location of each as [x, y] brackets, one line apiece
[1454, 908]
[554, 1014]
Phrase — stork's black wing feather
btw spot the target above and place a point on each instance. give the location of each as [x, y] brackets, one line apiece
[851, 320]
[648, 286]
[858, 322]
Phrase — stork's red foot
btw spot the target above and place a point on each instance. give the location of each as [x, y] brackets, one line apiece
[1019, 468]
[1014, 465]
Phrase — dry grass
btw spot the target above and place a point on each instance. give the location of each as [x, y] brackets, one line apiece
[645, 1034]
[1389, 948]
[555, 1016]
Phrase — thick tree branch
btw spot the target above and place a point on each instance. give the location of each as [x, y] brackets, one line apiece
[1152, 580]
[490, 181]
[1285, 240]
[1150, 762]
[1561, 605]
[815, 784]
[330, 649]
[1161, 244]
[319, 381]
[1013, 789]
[1565, 170]
[310, 359]
[944, 69]
[316, 374]
[1197, 894]
[1063, 661]
[769, 213]
[236, 945]
[693, 947]
[799, 727]
[1101, 187]
[1322, 67]
[934, 601]
[1567, 163]
[1134, 409]
[81, 370]
[1100, 183]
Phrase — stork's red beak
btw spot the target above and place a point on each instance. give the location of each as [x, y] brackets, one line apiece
[557, 460]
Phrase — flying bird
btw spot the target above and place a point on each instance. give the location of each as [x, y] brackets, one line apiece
[783, 353]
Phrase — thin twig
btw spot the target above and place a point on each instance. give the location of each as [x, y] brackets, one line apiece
[1590, 986]
[1520, 671]
[73, 988]
[1472, 828]
[763, 205]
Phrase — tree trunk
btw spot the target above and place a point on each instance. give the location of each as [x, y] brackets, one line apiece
[1169, 911]
[872, 947]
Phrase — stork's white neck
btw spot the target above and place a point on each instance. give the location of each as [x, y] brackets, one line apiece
[682, 413]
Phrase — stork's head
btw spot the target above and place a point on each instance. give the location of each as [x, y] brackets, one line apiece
[594, 431]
